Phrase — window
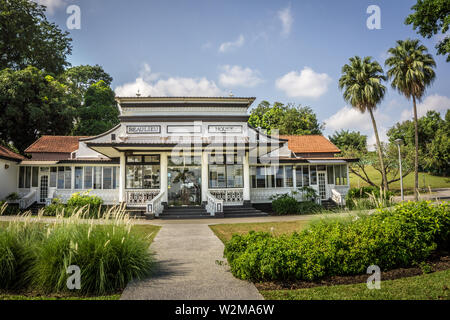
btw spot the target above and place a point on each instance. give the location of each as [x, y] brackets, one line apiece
[107, 177]
[27, 177]
[35, 177]
[88, 177]
[60, 177]
[260, 177]
[253, 176]
[313, 171]
[330, 174]
[116, 177]
[289, 176]
[298, 177]
[305, 176]
[142, 172]
[97, 177]
[78, 178]
[67, 178]
[225, 171]
[21, 177]
[270, 177]
[280, 177]
[53, 175]
[340, 175]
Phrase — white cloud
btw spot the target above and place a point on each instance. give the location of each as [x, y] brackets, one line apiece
[286, 19]
[227, 46]
[433, 102]
[306, 83]
[237, 76]
[151, 84]
[52, 5]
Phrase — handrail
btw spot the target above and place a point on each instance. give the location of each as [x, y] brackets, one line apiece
[155, 205]
[337, 197]
[28, 199]
[213, 204]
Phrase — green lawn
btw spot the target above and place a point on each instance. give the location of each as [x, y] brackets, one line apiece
[225, 231]
[434, 286]
[408, 181]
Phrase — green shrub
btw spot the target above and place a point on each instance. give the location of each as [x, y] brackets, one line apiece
[81, 199]
[285, 205]
[398, 238]
[308, 207]
[368, 197]
[13, 196]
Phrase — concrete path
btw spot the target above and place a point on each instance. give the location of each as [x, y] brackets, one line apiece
[187, 268]
[436, 194]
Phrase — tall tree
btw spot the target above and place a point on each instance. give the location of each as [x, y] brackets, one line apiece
[99, 112]
[361, 82]
[287, 119]
[28, 38]
[84, 76]
[33, 104]
[346, 139]
[431, 17]
[411, 71]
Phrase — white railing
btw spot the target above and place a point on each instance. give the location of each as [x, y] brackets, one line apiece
[229, 196]
[155, 206]
[139, 198]
[337, 197]
[28, 199]
[213, 204]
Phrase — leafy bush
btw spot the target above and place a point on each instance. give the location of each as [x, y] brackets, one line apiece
[285, 204]
[398, 238]
[368, 197]
[91, 205]
[36, 255]
[81, 199]
[13, 196]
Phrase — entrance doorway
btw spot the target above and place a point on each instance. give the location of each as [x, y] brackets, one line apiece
[184, 186]
[43, 192]
[322, 187]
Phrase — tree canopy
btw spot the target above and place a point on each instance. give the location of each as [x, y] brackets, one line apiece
[33, 103]
[345, 139]
[99, 112]
[84, 76]
[28, 38]
[288, 119]
[431, 17]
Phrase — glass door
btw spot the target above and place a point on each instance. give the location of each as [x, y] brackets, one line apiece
[43, 193]
[184, 186]
[322, 187]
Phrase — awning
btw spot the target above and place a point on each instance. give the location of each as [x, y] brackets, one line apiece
[38, 163]
[327, 161]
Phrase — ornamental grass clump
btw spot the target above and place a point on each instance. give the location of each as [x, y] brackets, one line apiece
[401, 237]
[108, 252]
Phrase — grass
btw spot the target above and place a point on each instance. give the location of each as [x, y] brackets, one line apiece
[225, 231]
[24, 297]
[408, 181]
[434, 286]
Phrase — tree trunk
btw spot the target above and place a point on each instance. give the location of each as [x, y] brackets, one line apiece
[380, 153]
[416, 155]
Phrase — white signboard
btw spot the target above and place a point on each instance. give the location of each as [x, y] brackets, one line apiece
[143, 129]
[183, 129]
[224, 129]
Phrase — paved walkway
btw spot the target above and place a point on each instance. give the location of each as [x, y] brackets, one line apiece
[437, 194]
[187, 268]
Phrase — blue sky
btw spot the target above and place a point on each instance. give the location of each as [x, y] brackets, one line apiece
[287, 51]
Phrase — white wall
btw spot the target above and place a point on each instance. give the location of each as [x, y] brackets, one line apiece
[8, 178]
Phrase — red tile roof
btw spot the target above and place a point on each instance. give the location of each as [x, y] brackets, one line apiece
[6, 153]
[55, 144]
[310, 144]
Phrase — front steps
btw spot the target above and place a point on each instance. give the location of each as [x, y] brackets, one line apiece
[242, 211]
[188, 212]
[35, 207]
[329, 204]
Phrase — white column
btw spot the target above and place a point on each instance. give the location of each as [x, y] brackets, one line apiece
[204, 176]
[122, 197]
[72, 178]
[164, 177]
[246, 173]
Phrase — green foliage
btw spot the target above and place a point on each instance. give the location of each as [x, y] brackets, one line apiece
[13, 196]
[287, 119]
[32, 104]
[368, 197]
[345, 139]
[431, 17]
[84, 76]
[99, 112]
[90, 206]
[285, 204]
[27, 38]
[35, 256]
[434, 145]
[81, 199]
[399, 238]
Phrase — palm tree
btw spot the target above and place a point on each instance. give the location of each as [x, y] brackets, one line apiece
[361, 81]
[411, 71]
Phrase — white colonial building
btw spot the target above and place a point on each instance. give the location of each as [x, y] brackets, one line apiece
[185, 155]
